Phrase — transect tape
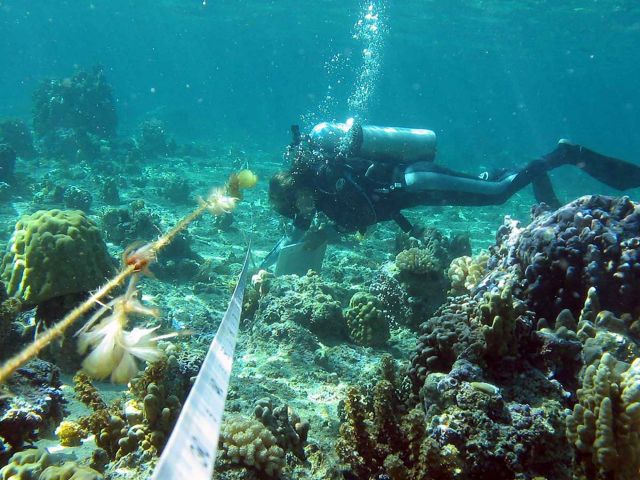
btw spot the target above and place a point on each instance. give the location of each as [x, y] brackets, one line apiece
[190, 452]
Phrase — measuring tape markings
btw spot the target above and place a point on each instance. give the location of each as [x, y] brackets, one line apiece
[191, 450]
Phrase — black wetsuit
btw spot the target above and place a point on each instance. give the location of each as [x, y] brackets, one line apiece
[355, 200]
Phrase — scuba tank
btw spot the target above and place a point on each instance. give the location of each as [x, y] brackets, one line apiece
[381, 144]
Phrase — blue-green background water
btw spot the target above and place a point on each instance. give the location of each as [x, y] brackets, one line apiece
[498, 80]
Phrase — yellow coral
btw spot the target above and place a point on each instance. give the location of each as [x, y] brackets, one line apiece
[465, 273]
[604, 427]
[70, 434]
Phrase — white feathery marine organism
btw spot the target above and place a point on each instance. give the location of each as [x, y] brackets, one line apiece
[114, 349]
[218, 202]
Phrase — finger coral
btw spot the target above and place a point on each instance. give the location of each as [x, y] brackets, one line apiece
[604, 427]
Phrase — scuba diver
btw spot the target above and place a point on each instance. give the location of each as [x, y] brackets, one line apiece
[359, 175]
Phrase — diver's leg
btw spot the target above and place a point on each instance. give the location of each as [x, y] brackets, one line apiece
[429, 184]
[543, 191]
[611, 171]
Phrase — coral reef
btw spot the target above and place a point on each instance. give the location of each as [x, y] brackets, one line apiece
[76, 198]
[466, 272]
[290, 432]
[127, 225]
[420, 270]
[16, 135]
[154, 141]
[137, 431]
[465, 365]
[418, 261]
[9, 309]
[28, 464]
[307, 301]
[69, 471]
[72, 116]
[35, 405]
[37, 464]
[399, 307]
[499, 312]
[70, 433]
[590, 242]
[54, 253]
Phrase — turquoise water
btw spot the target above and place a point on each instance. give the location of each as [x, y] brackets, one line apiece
[204, 89]
[485, 75]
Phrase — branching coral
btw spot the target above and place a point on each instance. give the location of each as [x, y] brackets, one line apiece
[245, 441]
[286, 426]
[418, 261]
[498, 313]
[466, 272]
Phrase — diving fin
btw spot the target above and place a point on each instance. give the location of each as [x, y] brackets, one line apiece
[616, 173]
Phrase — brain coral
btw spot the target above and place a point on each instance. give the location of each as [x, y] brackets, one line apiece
[54, 253]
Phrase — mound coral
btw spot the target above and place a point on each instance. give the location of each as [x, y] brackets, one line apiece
[53, 253]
